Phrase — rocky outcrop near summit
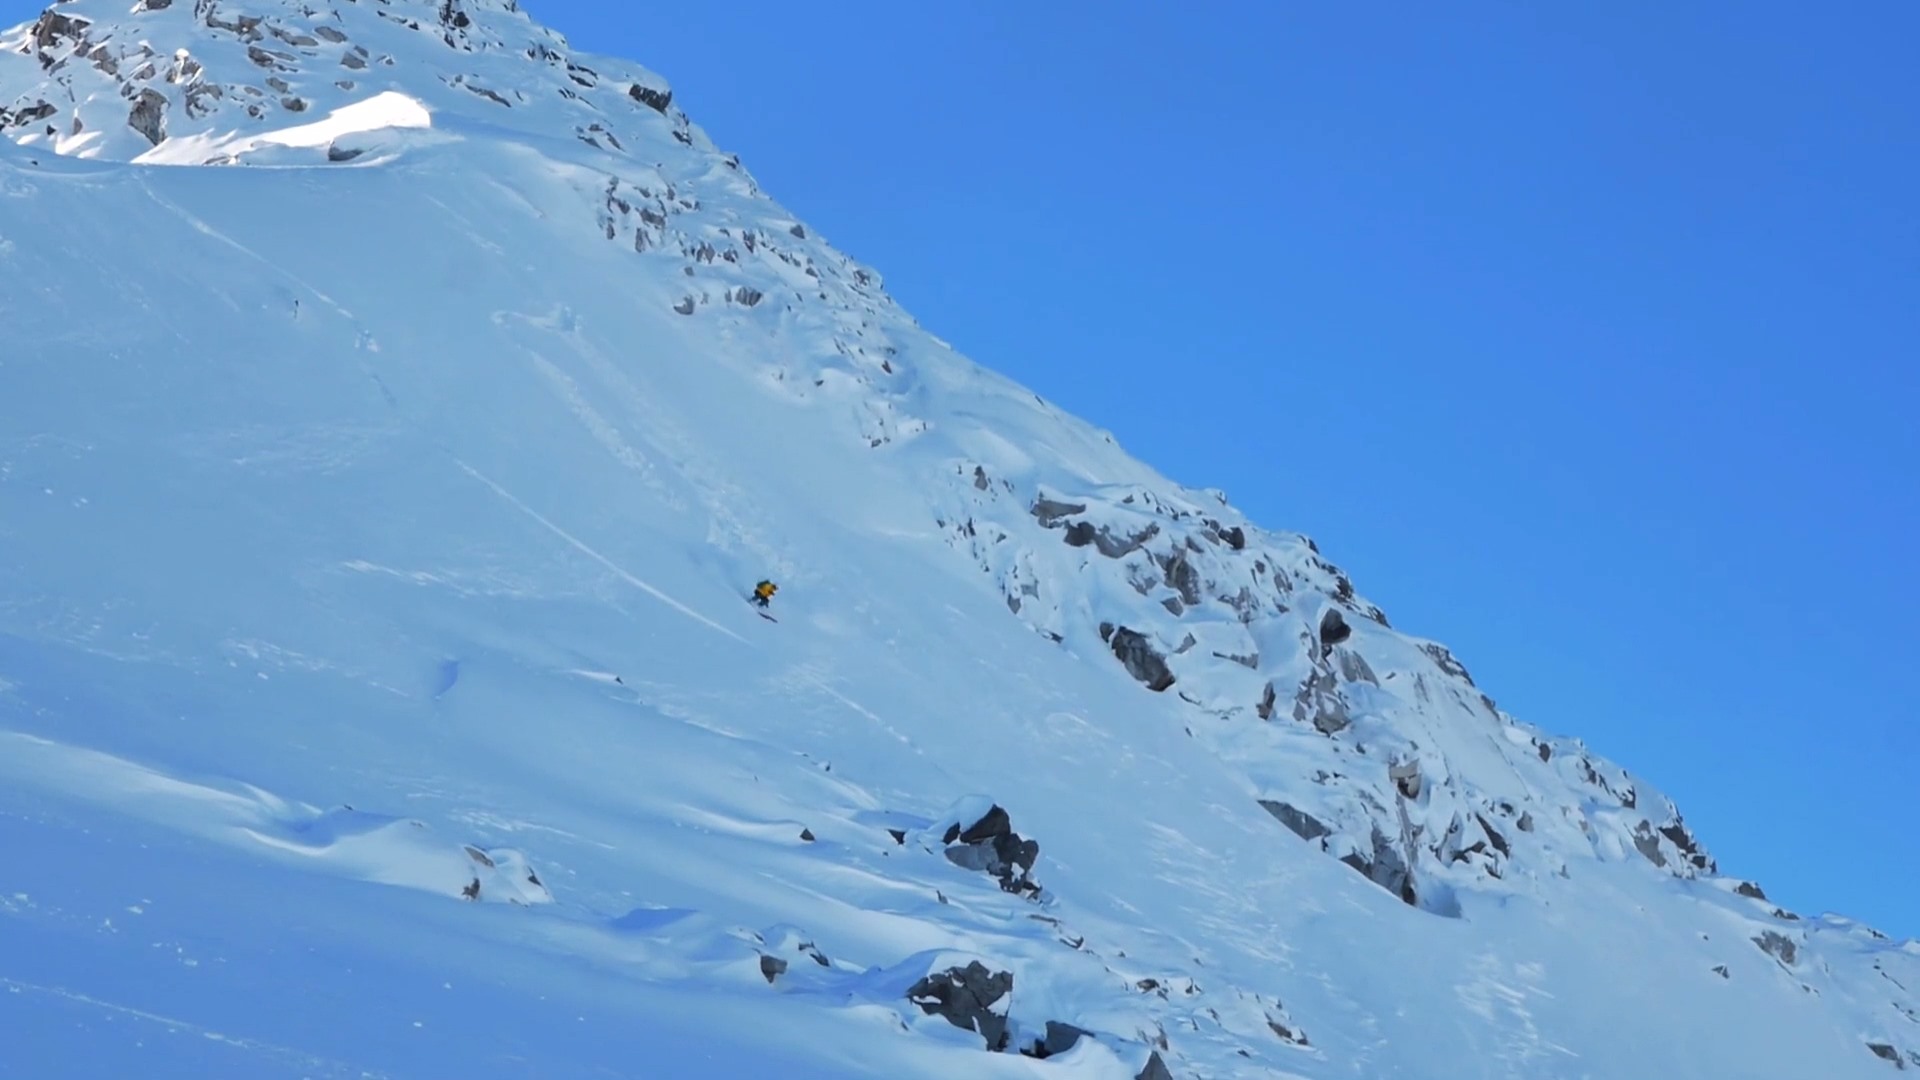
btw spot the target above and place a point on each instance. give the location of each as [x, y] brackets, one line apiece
[126, 82]
[1419, 781]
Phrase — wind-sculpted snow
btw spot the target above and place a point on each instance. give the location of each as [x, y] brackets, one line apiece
[398, 407]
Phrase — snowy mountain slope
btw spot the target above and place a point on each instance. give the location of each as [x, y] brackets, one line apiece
[374, 525]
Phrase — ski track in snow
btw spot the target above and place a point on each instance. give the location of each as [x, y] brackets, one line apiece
[307, 1063]
[580, 546]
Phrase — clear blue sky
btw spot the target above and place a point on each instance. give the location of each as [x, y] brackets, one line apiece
[1585, 340]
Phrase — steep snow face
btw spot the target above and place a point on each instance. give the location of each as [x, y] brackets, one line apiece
[375, 524]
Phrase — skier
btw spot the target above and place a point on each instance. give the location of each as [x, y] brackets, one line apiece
[763, 593]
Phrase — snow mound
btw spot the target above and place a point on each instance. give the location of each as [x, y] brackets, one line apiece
[345, 134]
[343, 841]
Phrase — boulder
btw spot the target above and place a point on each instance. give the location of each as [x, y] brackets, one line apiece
[967, 997]
[1059, 1039]
[991, 846]
[1050, 512]
[1333, 630]
[1386, 867]
[1140, 659]
[149, 115]
[657, 100]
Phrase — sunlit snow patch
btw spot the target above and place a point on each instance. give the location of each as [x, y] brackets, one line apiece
[345, 134]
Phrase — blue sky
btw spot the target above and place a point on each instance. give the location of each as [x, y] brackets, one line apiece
[1585, 341]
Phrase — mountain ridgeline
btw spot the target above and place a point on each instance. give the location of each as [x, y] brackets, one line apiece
[1350, 750]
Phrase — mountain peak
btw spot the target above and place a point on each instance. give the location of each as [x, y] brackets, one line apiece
[190, 82]
[427, 472]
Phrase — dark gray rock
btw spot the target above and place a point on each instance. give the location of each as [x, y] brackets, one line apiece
[657, 100]
[1354, 668]
[966, 997]
[1721, 970]
[1333, 630]
[1140, 659]
[1779, 946]
[772, 966]
[1155, 1069]
[52, 26]
[1386, 867]
[1886, 1053]
[149, 115]
[1287, 1034]
[1059, 1039]
[1498, 841]
[992, 847]
[1304, 825]
[1050, 512]
[1445, 659]
[32, 114]
[1644, 840]
[1181, 576]
[1318, 701]
[1750, 890]
[1114, 547]
[1682, 838]
[994, 823]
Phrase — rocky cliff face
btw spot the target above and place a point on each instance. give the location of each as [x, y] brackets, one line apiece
[1367, 746]
[1374, 746]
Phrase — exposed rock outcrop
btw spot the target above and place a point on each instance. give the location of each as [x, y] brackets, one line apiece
[1155, 1069]
[149, 116]
[990, 845]
[1138, 655]
[973, 998]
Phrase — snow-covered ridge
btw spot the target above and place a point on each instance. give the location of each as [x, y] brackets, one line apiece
[93, 79]
[632, 290]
